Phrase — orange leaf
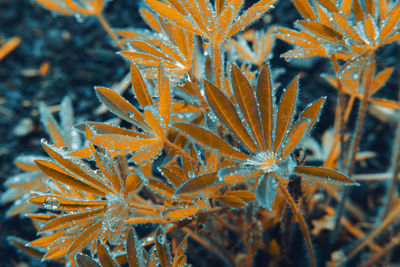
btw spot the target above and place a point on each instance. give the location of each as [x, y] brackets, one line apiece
[312, 112]
[9, 47]
[209, 139]
[162, 248]
[244, 95]
[64, 221]
[180, 213]
[133, 250]
[85, 261]
[305, 9]
[139, 87]
[64, 203]
[287, 108]
[265, 100]
[231, 201]
[84, 238]
[324, 175]
[165, 96]
[103, 255]
[226, 112]
[203, 183]
[294, 137]
[120, 107]
[75, 168]
[58, 174]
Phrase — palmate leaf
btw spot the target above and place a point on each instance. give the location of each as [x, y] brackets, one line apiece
[194, 17]
[154, 122]
[336, 32]
[174, 50]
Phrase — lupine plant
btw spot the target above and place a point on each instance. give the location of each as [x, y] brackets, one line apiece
[213, 152]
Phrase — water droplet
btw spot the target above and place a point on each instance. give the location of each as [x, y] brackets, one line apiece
[51, 203]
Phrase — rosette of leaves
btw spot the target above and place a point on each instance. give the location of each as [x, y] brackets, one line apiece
[214, 21]
[168, 44]
[348, 30]
[136, 255]
[20, 185]
[267, 135]
[148, 135]
[86, 204]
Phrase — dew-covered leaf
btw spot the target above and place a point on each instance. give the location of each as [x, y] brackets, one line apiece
[324, 175]
[103, 255]
[231, 201]
[265, 100]
[74, 168]
[85, 261]
[139, 87]
[305, 9]
[294, 137]
[58, 174]
[63, 221]
[266, 191]
[244, 95]
[313, 111]
[162, 248]
[56, 202]
[203, 183]
[207, 138]
[120, 107]
[134, 251]
[84, 238]
[226, 112]
[179, 213]
[165, 96]
[286, 111]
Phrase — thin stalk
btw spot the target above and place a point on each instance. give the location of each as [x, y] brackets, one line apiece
[107, 28]
[395, 170]
[382, 252]
[386, 223]
[180, 151]
[342, 108]
[300, 219]
[356, 138]
[212, 245]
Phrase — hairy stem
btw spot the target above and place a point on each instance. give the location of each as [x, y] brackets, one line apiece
[342, 108]
[356, 138]
[107, 28]
[180, 151]
[300, 219]
[217, 62]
